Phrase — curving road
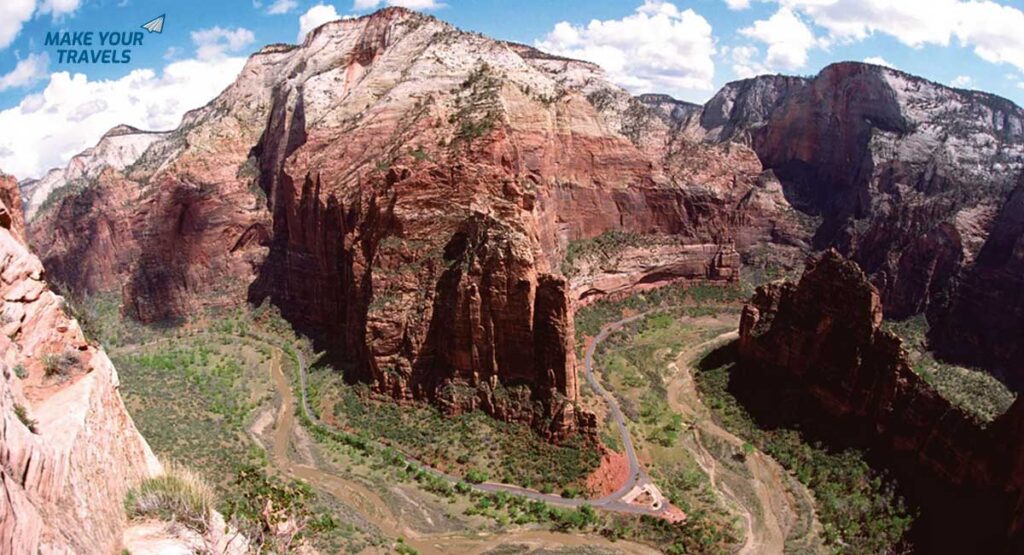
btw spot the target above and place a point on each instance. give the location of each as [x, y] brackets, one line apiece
[616, 501]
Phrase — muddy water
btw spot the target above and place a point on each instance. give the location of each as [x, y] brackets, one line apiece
[374, 509]
[780, 509]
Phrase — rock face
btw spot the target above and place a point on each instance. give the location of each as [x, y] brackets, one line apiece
[824, 335]
[986, 319]
[618, 272]
[119, 148]
[908, 178]
[11, 216]
[69, 450]
[406, 192]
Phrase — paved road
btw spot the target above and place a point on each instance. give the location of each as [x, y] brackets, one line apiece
[612, 502]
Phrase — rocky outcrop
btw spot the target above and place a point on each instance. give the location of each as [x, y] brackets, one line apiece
[906, 175]
[823, 335]
[119, 148]
[632, 268]
[68, 449]
[11, 216]
[405, 193]
[986, 321]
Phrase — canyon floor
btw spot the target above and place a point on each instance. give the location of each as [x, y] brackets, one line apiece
[224, 389]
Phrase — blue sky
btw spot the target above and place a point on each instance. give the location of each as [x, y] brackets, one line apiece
[688, 48]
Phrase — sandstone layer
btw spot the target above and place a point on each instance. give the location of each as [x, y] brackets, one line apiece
[405, 192]
[823, 336]
[911, 179]
[68, 448]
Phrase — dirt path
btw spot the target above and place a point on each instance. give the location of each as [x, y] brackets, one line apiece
[777, 507]
[374, 508]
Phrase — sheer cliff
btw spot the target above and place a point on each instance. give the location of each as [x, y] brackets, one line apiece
[822, 336]
[911, 179]
[69, 450]
[406, 193]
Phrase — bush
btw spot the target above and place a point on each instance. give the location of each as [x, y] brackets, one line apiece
[476, 476]
[273, 513]
[60, 365]
[22, 415]
[179, 495]
[21, 371]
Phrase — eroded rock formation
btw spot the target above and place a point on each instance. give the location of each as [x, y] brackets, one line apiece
[68, 449]
[909, 178]
[406, 192]
[823, 335]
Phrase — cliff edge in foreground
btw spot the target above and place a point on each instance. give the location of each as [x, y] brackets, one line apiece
[69, 451]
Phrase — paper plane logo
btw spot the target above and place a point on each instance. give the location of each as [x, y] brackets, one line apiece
[155, 26]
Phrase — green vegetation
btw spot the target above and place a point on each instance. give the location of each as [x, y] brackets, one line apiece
[20, 371]
[700, 534]
[276, 514]
[477, 110]
[691, 300]
[600, 249]
[179, 495]
[463, 444]
[192, 398]
[506, 508]
[60, 365]
[976, 391]
[634, 364]
[72, 189]
[22, 414]
[419, 154]
[857, 506]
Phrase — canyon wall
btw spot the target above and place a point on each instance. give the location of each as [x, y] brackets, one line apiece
[911, 179]
[823, 335]
[68, 448]
[405, 193]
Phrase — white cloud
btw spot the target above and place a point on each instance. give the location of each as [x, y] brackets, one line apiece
[315, 17]
[13, 14]
[59, 8]
[658, 48]
[744, 61]
[216, 42]
[996, 32]
[282, 6]
[787, 37]
[73, 112]
[878, 61]
[360, 5]
[28, 71]
[991, 29]
[737, 4]
[962, 82]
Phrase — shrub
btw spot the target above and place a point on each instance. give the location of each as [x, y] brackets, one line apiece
[21, 371]
[476, 476]
[22, 415]
[60, 365]
[273, 513]
[179, 495]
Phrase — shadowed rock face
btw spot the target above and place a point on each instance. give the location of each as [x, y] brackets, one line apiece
[987, 316]
[406, 192]
[909, 178]
[823, 336]
[69, 451]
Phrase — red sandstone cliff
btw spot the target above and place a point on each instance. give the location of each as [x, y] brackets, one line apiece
[908, 177]
[823, 335]
[406, 192]
[69, 450]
